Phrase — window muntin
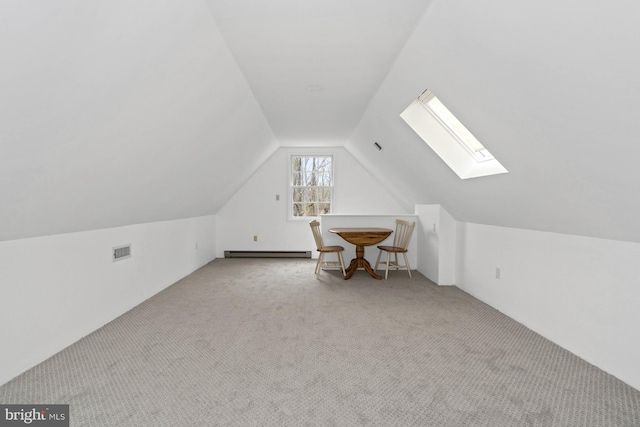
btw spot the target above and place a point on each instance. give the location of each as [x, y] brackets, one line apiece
[311, 185]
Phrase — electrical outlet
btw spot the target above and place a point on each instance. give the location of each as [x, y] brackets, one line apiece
[497, 273]
[255, 238]
[196, 246]
[277, 197]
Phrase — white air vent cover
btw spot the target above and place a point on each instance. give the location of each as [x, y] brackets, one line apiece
[121, 252]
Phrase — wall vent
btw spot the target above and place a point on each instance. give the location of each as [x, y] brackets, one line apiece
[121, 252]
[267, 254]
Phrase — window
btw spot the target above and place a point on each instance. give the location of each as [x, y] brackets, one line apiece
[449, 138]
[311, 185]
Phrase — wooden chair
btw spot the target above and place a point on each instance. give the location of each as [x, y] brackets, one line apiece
[317, 235]
[401, 238]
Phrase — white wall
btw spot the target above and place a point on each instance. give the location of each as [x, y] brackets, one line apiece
[437, 244]
[449, 244]
[428, 241]
[253, 210]
[56, 289]
[580, 292]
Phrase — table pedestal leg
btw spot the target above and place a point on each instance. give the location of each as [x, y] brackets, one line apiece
[360, 261]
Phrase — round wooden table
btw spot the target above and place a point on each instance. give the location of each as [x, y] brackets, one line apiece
[361, 237]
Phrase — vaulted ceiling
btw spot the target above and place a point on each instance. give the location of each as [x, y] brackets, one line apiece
[314, 65]
[118, 112]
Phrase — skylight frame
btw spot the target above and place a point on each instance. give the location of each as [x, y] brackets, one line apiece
[463, 136]
[449, 138]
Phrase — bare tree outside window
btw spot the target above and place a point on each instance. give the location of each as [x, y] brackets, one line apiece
[311, 185]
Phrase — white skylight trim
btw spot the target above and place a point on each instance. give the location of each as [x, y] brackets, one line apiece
[449, 138]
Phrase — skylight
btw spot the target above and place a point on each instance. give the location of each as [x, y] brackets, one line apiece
[449, 138]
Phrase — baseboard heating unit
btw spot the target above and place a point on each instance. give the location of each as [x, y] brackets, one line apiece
[267, 254]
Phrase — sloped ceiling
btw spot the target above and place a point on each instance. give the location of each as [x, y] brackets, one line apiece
[314, 65]
[117, 112]
[550, 88]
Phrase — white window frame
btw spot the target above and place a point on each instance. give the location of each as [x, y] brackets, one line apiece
[449, 138]
[290, 201]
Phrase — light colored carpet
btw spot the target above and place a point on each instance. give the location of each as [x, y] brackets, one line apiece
[262, 342]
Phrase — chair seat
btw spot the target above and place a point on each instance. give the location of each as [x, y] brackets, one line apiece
[331, 249]
[404, 229]
[392, 249]
[322, 249]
